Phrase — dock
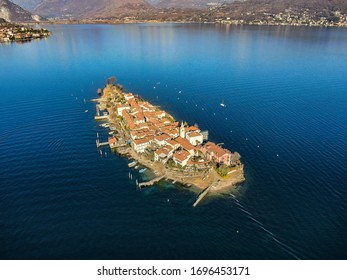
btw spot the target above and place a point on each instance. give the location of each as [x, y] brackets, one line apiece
[98, 116]
[151, 182]
[100, 144]
[202, 195]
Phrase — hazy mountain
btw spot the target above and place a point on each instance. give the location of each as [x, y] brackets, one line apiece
[12, 12]
[187, 3]
[29, 5]
[87, 8]
[177, 9]
[252, 8]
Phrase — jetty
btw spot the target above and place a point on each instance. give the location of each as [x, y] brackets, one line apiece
[151, 182]
[100, 144]
[98, 116]
[202, 195]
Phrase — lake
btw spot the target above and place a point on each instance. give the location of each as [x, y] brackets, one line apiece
[285, 92]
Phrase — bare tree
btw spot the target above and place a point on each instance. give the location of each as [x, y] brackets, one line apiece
[111, 80]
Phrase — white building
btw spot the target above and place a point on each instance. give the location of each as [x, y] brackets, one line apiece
[120, 109]
[181, 157]
[182, 131]
[140, 145]
[163, 154]
[194, 138]
[128, 96]
[161, 139]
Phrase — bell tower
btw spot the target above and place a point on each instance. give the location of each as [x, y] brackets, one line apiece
[182, 130]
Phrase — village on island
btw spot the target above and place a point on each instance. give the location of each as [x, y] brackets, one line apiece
[154, 139]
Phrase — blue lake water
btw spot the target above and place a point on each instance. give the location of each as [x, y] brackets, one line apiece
[285, 90]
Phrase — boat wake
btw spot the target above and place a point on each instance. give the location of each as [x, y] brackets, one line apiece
[260, 225]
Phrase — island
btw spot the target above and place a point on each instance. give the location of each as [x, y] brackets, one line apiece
[13, 32]
[154, 139]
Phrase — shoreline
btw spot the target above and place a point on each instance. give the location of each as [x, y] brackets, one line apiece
[153, 138]
[231, 23]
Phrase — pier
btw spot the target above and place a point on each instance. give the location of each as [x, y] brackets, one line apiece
[98, 116]
[151, 182]
[202, 195]
[100, 144]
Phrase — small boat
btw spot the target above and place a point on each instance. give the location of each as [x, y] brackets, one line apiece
[133, 163]
[136, 167]
[86, 111]
[222, 104]
[142, 170]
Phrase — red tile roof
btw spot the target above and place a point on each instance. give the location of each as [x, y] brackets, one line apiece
[218, 151]
[181, 155]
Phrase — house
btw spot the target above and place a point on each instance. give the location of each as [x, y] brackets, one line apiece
[122, 107]
[139, 118]
[163, 154]
[159, 114]
[194, 138]
[134, 106]
[173, 133]
[181, 157]
[141, 144]
[192, 129]
[112, 141]
[146, 106]
[128, 120]
[161, 139]
[128, 96]
[172, 143]
[216, 153]
[185, 144]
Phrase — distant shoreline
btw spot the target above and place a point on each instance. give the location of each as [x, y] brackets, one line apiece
[233, 23]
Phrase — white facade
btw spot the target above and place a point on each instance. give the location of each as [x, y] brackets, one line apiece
[121, 108]
[195, 138]
[140, 146]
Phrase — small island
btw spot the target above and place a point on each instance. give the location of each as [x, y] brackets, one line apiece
[12, 32]
[153, 138]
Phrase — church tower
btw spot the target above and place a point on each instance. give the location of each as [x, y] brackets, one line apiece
[182, 130]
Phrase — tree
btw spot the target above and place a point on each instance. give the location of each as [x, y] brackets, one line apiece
[111, 80]
[223, 170]
[235, 157]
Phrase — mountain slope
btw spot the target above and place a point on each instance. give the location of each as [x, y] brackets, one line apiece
[187, 3]
[29, 5]
[88, 8]
[12, 12]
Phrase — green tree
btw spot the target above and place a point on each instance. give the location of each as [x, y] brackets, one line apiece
[223, 170]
